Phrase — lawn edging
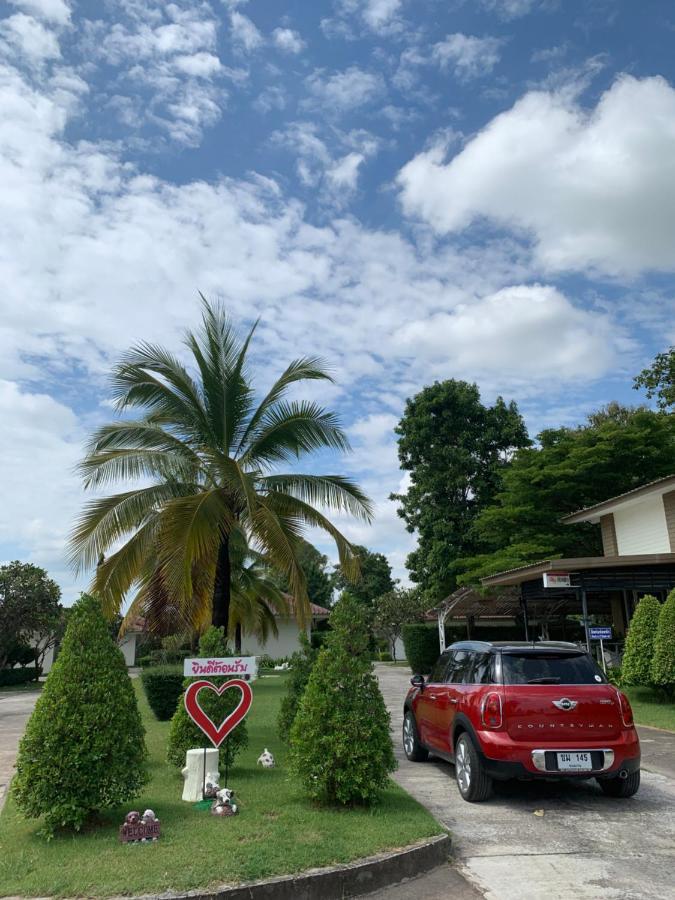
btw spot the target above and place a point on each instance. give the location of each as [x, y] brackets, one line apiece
[332, 882]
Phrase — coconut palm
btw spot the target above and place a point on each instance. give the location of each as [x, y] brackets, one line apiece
[209, 463]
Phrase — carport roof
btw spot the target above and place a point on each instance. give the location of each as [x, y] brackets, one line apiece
[577, 564]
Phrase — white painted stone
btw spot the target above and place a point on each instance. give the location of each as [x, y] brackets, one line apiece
[196, 766]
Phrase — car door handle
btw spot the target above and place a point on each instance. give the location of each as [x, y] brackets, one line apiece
[432, 696]
[453, 700]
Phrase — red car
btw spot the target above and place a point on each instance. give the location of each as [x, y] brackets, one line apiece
[504, 710]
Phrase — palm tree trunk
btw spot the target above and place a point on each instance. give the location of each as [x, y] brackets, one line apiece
[220, 612]
[237, 639]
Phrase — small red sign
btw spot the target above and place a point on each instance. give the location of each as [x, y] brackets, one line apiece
[217, 734]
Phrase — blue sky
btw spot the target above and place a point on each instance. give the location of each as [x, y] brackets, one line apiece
[414, 190]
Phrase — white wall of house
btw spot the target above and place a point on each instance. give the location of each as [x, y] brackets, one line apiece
[641, 527]
[286, 643]
[127, 645]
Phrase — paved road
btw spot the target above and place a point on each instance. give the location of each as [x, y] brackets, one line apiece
[15, 708]
[585, 846]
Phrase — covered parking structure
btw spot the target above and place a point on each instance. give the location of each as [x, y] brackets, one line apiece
[601, 590]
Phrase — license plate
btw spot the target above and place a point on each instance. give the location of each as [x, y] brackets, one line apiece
[574, 762]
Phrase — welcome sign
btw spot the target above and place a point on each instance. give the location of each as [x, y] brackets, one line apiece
[239, 666]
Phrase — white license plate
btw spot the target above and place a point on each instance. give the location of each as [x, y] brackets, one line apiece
[574, 762]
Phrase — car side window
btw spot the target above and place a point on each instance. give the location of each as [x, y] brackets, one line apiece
[481, 670]
[459, 667]
[437, 675]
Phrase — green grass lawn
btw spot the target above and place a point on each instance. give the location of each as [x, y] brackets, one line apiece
[276, 832]
[650, 709]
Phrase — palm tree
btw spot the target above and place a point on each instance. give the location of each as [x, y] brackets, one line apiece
[210, 466]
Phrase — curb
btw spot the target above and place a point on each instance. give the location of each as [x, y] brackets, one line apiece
[335, 882]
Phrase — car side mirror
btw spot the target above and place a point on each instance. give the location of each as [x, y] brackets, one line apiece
[417, 681]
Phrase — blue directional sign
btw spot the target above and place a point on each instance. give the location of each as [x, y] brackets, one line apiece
[600, 634]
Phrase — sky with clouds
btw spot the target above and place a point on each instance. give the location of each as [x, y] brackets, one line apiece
[478, 189]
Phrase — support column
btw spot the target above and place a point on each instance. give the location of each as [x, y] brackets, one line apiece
[584, 612]
[441, 628]
[523, 605]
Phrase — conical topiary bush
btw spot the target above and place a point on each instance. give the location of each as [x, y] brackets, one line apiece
[340, 742]
[184, 734]
[84, 745]
[663, 662]
[636, 665]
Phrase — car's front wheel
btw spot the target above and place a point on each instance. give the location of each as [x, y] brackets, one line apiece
[411, 741]
[620, 787]
[474, 784]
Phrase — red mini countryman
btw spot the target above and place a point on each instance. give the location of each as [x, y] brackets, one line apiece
[522, 710]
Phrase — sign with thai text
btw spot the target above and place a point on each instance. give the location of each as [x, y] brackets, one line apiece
[557, 580]
[240, 666]
[598, 633]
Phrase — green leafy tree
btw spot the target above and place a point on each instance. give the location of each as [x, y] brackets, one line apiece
[340, 742]
[636, 666]
[84, 746]
[207, 460]
[569, 469]
[658, 380]
[395, 609]
[663, 661]
[456, 450]
[184, 734]
[374, 577]
[320, 582]
[302, 663]
[29, 608]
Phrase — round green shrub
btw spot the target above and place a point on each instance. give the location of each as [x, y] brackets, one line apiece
[636, 665]
[302, 662]
[12, 677]
[421, 645]
[663, 662]
[184, 735]
[340, 743]
[163, 686]
[84, 745]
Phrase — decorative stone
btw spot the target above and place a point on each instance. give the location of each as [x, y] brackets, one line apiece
[196, 768]
[266, 760]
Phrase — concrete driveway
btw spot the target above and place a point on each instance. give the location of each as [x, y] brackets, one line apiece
[580, 844]
[15, 708]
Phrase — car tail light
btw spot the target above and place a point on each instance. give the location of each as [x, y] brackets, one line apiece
[492, 711]
[626, 710]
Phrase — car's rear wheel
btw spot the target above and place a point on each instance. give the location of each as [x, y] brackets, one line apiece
[474, 784]
[411, 740]
[620, 787]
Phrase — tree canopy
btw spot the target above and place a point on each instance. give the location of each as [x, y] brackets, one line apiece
[315, 567]
[569, 469]
[659, 379]
[29, 606]
[395, 609]
[375, 576]
[456, 449]
[209, 465]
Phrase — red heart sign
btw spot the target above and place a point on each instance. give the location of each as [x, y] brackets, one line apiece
[218, 734]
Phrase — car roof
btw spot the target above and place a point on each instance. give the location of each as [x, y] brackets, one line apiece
[517, 646]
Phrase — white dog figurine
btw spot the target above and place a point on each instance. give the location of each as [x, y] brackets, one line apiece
[224, 804]
[148, 817]
[266, 760]
[211, 786]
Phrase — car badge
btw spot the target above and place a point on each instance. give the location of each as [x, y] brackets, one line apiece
[565, 703]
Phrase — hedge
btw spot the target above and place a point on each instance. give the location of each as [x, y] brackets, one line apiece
[663, 663]
[421, 646]
[163, 687]
[11, 677]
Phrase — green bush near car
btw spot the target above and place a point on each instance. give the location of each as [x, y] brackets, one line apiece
[663, 661]
[636, 665]
[421, 646]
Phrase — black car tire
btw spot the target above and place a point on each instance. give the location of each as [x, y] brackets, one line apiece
[620, 787]
[473, 783]
[412, 748]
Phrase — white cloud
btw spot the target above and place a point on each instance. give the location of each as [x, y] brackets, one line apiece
[29, 38]
[468, 56]
[288, 40]
[514, 9]
[349, 89]
[56, 11]
[245, 35]
[345, 172]
[201, 65]
[380, 16]
[594, 189]
[519, 332]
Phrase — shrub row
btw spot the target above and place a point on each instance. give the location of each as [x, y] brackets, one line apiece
[421, 646]
[163, 687]
[11, 677]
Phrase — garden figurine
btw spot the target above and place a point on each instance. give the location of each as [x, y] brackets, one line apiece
[266, 760]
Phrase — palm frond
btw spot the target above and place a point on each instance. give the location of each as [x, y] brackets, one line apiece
[332, 491]
[288, 430]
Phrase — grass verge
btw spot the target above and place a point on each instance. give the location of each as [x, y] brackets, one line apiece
[277, 831]
[650, 709]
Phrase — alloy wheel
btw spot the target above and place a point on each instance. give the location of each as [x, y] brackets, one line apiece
[463, 767]
[408, 736]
